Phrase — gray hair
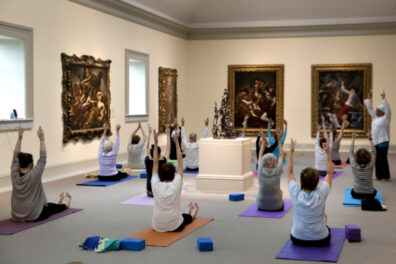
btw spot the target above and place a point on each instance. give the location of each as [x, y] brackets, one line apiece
[107, 146]
[269, 160]
[193, 136]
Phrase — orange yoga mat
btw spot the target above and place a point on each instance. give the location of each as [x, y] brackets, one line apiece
[164, 239]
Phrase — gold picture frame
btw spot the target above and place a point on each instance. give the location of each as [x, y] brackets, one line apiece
[85, 97]
[167, 96]
[329, 98]
[263, 101]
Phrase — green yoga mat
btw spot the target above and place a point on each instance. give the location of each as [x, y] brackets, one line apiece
[171, 160]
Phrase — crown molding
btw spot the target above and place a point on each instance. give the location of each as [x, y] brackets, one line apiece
[142, 17]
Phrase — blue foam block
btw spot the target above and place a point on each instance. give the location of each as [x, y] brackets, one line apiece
[119, 166]
[134, 244]
[349, 200]
[236, 196]
[143, 175]
[205, 244]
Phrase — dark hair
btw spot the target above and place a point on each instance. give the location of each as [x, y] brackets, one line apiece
[309, 179]
[167, 172]
[321, 142]
[135, 139]
[362, 157]
[152, 151]
[25, 159]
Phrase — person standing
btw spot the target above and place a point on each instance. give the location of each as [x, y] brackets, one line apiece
[380, 135]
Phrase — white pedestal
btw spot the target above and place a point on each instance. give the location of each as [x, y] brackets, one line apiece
[224, 165]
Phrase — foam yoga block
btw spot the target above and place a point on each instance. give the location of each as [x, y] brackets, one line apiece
[143, 175]
[237, 196]
[205, 244]
[119, 166]
[352, 233]
[135, 244]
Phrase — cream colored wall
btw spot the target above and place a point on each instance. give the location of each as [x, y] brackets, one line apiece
[208, 62]
[62, 26]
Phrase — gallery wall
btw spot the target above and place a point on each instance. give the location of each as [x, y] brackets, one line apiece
[62, 26]
[208, 65]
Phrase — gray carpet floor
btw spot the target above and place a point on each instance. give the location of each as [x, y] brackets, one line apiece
[236, 239]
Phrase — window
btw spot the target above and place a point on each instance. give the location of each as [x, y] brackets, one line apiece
[16, 76]
[137, 87]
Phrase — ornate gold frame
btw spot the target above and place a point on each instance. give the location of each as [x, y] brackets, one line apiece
[367, 84]
[87, 61]
[279, 69]
[162, 74]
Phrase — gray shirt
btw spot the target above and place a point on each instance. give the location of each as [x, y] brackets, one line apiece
[269, 195]
[28, 197]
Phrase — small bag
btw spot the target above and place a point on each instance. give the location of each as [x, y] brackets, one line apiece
[372, 204]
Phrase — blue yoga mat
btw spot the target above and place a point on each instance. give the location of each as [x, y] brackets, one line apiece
[105, 183]
[349, 200]
[192, 172]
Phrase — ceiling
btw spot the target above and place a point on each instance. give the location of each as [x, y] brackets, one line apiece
[265, 13]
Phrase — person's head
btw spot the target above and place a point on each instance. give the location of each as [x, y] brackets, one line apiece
[322, 142]
[166, 172]
[269, 161]
[362, 157]
[354, 89]
[271, 88]
[193, 137]
[309, 179]
[135, 139]
[99, 95]
[380, 111]
[25, 161]
[107, 146]
[152, 151]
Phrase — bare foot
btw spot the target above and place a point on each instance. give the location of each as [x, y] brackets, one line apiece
[195, 211]
[68, 200]
[190, 207]
[61, 197]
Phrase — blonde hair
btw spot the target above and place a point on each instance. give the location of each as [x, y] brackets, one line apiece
[107, 146]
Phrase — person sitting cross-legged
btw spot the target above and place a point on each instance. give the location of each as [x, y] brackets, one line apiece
[320, 151]
[108, 157]
[269, 197]
[28, 200]
[135, 149]
[167, 186]
[191, 147]
[309, 203]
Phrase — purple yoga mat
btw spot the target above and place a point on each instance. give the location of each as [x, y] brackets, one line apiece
[9, 227]
[252, 211]
[330, 253]
[142, 199]
[335, 175]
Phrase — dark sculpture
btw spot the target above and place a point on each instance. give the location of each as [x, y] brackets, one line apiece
[225, 130]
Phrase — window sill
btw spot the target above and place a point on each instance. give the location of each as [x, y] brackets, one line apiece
[15, 124]
[136, 118]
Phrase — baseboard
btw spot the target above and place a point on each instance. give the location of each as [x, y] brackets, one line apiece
[62, 171]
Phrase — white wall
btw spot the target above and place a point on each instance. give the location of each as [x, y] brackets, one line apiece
[208, 62]
[63, 26]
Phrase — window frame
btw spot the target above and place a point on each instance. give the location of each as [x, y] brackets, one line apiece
[25, 33]
[136, 55]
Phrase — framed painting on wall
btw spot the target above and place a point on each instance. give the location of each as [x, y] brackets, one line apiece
[85, 97]
[256, 92]
[167, 97]
[338, 91]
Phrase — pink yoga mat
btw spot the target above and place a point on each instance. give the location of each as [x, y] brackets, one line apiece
[335, 175]
[252, 211]
[343, 164]
[9, 227]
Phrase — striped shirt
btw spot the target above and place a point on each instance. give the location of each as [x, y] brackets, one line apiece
[362, 176]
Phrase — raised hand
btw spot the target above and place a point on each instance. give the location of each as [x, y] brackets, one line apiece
[105, 126]
[383, 95]
[370, 94]
[261, 132]
[326, 147]
[292, 145]
[118, 127]
[139, 125]
[20, 132]
[285, 122]
[40, 133]
[175, 137]
[155, 133]
[318, 127]
[207, 121]
[279, 134]
[182, 121]
[150, 129]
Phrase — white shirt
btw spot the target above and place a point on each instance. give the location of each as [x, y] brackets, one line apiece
[167, 215]
[107, 161]
[380, 124]
[309, 210]
[191, 149]
[135, 155]
[320, 154]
